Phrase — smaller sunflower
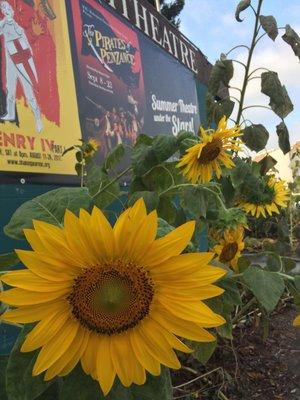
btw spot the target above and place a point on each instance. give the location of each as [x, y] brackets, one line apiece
[204, 158]
[91, 147]
[229, 249]
[275, 195]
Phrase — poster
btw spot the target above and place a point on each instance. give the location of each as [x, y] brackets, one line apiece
[126, 84]
[38, 108]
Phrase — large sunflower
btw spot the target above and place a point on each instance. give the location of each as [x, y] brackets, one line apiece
[229, 249]
[275, 195]
[204, 158]
[114, 299]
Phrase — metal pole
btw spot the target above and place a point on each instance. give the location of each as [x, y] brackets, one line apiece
[157, 3]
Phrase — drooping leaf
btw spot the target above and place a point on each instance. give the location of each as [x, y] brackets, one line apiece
[79, 386]
[266, 286]
[114, 157]
[292, 38]
[243, 5]
[167, 210]
[283, 137]
[269, 25]
[8, 260]
[203, 351]
[240, 172]
[197, 200]
[274, 262]
[163, 228]
[217, 108]
[101, 189]
[162, 177]
[20, 384]
[49, 207]
[280, 101]
[146, 156]
[255, 137]
[267, 163]
[222, 72]
[151, 199]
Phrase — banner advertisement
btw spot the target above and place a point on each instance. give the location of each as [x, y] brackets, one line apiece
[125, 84]
[38, 110]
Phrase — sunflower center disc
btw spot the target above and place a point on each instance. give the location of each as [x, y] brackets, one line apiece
[228, 252]
[210, 152]
[112, 298]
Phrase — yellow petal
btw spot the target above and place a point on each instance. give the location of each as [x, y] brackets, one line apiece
[105, 368]
[103, 236]
[25, 279]
[142, 353]
[169, 246]
[122, 358]
[56, 347]
[33, 313]
[20, 297]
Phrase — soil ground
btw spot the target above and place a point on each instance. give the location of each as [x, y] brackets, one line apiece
[257, 368]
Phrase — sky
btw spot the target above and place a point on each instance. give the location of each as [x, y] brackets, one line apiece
[211, 25]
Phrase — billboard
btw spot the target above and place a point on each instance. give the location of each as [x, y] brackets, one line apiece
[38, 110]
[101, 69]
[125, 85]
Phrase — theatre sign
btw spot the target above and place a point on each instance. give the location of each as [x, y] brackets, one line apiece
[102, 69]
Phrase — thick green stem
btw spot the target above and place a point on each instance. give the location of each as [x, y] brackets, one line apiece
[250, 54]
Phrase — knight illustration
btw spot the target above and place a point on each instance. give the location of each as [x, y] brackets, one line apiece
[19, 66]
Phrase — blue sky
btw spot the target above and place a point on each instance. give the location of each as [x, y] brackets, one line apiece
[211, 25]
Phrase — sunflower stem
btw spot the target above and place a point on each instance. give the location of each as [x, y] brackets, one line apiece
[250, 54]
[243, 310]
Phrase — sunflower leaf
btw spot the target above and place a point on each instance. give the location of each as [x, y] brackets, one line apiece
[8, 260]
[3, 365]
[280, 101]
[283, 137]
[243, 5]
[267, 163]
[292, 38]
[269, 25]
[151, 199]
[20, 384]
[255, 137]
[222, 72]
[154, 388]
[216, 108]
[145, 156]
[102, 191]
[114, 157]
[202, 351]
[266, 286]
[49, 207]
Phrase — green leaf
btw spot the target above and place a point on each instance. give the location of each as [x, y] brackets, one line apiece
[146, 156]
[255, 137]
[79, 156]
[239, 173]
[162, 177]
[202, 351]
[163, 228]
[243, 264]
[167, 210]
[79, 386]
[8, 260]
[280, 101]
[269, 25]
[266, 286]
[292, 38]
[49, 207]
[102, 191]
[222, 72]
[243, 5]
[114, 157]
[288, 264]
[151, 199]
[197, 200]
[79, 169]
[267, 163]
[20, 384]
[3, 364]
[274, 262]
[283, 137]
[217, 108]
[225, 330]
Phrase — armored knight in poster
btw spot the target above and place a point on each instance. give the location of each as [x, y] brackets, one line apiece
[20, 66]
